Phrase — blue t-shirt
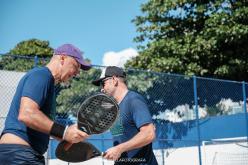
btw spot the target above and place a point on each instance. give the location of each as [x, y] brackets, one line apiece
[134, 113]
[38, 85]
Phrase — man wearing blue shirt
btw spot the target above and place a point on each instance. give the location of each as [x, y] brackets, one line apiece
[133, 132]
[29, 122]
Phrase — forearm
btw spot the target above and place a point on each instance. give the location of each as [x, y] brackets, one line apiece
[144, 137]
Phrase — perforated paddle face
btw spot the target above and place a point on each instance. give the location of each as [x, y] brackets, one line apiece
[78, 152]
[97, 114]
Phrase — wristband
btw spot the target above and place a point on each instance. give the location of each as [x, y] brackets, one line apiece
[57, 130]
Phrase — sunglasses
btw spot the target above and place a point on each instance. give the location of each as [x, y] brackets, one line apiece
[102, 83]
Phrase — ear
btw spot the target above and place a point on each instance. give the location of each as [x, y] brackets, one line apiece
[115, 81]
[62, 59]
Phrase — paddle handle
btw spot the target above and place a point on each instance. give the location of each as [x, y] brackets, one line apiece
[68, 145]
[103, 154]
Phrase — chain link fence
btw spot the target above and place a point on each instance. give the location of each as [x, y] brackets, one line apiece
[187, 111]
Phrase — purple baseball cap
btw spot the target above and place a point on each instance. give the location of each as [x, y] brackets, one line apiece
[70, 50]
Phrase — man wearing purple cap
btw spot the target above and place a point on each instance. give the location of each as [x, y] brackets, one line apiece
[29, 123]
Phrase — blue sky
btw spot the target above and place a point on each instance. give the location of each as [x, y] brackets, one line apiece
[97, 27]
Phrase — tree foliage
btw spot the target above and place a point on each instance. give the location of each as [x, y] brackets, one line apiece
[204, 38]
[75, 91]
[22, 56]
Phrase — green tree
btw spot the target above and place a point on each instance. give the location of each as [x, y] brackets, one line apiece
[73, 93]
[15, 60]
[203, 38]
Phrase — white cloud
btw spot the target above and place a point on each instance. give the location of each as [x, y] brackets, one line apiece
[180, 113]
[118, 58]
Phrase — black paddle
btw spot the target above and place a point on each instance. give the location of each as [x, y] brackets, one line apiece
[95, 115]
[78, 152]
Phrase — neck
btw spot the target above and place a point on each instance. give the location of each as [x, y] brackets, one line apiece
[120, 94]
[53, 67]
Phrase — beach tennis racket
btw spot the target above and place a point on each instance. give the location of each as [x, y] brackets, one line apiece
[96, 114]
[78, 152]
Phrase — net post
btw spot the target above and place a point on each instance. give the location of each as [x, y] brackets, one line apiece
[245, 108]
[197, 118]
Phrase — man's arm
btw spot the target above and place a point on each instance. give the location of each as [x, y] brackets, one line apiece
[31, 115]
[145, 136]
